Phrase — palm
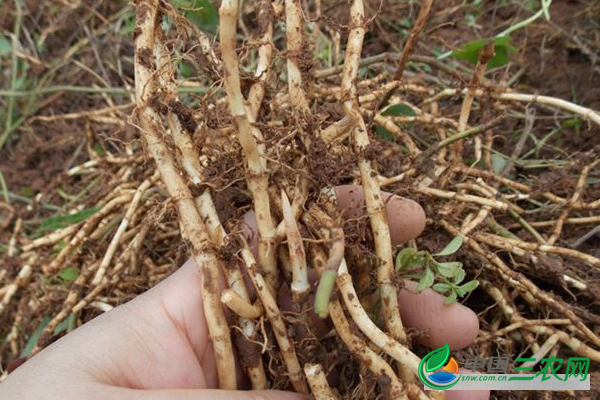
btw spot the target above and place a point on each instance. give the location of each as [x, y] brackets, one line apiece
[160, 340]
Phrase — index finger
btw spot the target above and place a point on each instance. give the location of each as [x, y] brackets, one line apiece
[405, 217]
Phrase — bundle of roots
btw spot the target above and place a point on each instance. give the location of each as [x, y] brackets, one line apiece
[276, 141]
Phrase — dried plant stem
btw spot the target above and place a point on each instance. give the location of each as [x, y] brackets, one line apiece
[585, 113]
[468, 198]
[389, 125]
[240, 306]
[338, 130]
[515, 279]
[265, 16]
[579, 187]
[114, 243]
[408, 46]
[523, 323]
[194, 229]
[544, 248]
[9, 292]
[258, 180]
[286, 346]
[368, 173]
[318, 382]
[574, 344]
[84, 232]
[334, 233]
[50, 239]
[296, 48]
[300, 286]
[189, 158]
[487, 52]
[360, 317]
[360, 349]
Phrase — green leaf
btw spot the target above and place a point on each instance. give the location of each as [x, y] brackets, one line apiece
[385, 134]
[451, 298]
[470, 286]
[575, 122]
[69, 274]
[32, 342]
[459, 277]
[449, 269]
[128, 26]
[404, 256]
[67, 324]
[426, 280]
[97, 147]
[201, 12]
[442, 288]
[5, 45]
[470, 51]
[398, 110]
[54, 223]
[498, 162]
[451, 247]
[185, 69]
[437, 358]
[26, 191]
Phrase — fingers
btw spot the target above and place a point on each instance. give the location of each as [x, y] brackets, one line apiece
[454, 324]
[467, 394]
[406, 218]
[208, 394]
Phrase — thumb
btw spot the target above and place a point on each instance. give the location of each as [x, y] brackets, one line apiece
[209, 394]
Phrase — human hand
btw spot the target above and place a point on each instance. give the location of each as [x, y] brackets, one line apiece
[156, 347]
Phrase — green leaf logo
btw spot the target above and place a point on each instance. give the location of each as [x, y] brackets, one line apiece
[437, 358]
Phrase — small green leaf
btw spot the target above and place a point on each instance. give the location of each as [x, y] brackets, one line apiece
[69, 274]
[575, 122]
[451, 247]
[201, 12]
[451, 298]
[97, 147]
[470, 51]
[185, 69]
[5, 45]
[459, 277]
[426, 280]
[449, 269]
[128, 26]
[32, 342]
[470, 286]
[26, 191]
[442, 288]
[385, 134]
[498, 162]
[437, 358]
[67, 324]
[398, 110]
[62, 221]
[403, 257]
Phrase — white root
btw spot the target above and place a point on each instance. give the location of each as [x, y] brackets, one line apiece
[300, 286]
[372, 190]
[318, 382]
[258, 180]
[195, 230]
[280, 332]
